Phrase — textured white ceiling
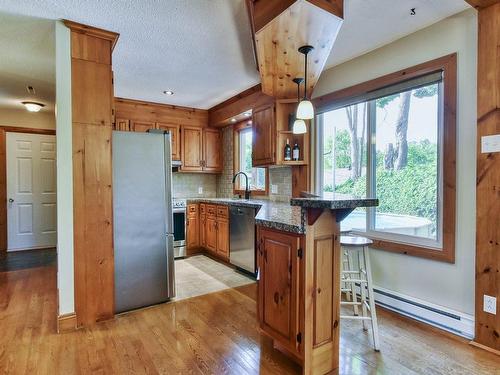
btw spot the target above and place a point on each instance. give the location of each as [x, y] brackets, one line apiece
[27, 58]
[201, 49]
[370, 24]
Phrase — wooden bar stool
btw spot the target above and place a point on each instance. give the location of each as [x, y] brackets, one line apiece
[358, 274]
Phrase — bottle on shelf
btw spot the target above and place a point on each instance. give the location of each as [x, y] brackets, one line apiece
[296, 152]
[288, 151]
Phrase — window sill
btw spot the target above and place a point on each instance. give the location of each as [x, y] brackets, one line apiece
[442, 255]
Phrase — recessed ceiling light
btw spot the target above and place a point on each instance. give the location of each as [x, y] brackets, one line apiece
[33, 106]
[233, 120]
[247, 114]
[168, 92]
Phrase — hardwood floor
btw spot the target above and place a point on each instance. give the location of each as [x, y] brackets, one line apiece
[210, 334]
[18, 260]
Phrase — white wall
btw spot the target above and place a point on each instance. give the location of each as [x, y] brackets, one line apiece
[65, 280]
[448, 285]
[44, 119]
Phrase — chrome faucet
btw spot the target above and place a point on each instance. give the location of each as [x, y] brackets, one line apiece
[247, 190]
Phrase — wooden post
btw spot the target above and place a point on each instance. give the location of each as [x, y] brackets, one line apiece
[92, 105]
[487, 326]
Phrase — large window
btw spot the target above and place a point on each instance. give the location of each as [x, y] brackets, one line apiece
[391, 143]
[257, 177]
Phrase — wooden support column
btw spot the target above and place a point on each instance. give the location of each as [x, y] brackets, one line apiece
[321, 293]
[92, 106]
[487, 326]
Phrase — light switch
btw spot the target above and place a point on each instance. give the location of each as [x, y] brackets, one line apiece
[200, 189]
[490, 143]
[274, 189]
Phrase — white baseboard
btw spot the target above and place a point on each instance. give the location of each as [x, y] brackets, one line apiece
[453, 321]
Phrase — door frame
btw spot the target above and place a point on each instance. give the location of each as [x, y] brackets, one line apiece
[3, 175]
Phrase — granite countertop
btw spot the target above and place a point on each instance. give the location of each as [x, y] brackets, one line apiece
[334, 202]
[290, 217]
[270, 214]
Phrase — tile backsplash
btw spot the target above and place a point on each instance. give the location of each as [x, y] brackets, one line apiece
[281, 177]
[224, 180]
[186, 185]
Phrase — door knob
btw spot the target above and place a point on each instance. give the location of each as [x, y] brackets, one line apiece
[11, 200]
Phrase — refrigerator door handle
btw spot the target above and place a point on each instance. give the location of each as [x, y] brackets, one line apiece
[169, 249]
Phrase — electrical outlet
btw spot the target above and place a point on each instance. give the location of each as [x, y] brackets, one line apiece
[274, 189]
[200, 189]
[490, 304]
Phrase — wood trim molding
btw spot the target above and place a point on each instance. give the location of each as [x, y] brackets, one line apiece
[484, 347]
[3, 175]
[447, 64]
[66, 323]
[93, 31]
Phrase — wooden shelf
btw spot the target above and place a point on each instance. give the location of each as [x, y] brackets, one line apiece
[294, 162]
[301, 139]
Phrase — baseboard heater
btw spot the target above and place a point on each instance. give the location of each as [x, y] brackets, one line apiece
[452, 321]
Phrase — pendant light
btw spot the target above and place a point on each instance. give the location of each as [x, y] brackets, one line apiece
[305, 110]
[299, 125]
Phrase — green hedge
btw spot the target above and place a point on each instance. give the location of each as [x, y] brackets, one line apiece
[410, 191]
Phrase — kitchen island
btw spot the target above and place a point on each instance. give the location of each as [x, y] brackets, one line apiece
[299, 261]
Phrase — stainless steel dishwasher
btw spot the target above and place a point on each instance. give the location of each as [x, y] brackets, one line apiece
[242, 238]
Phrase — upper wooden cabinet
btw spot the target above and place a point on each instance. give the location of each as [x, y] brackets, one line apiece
[191, 149]
[212, 152]
[174, 131]
[122, 124]
[270, 126]
[201, 150]
[264, 136]
[141, 126]
[276, 46]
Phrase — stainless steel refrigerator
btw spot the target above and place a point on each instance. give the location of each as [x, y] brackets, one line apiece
[143, 219]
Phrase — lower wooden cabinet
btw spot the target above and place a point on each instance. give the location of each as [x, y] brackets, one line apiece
[279, 311]
[212, 234]
[192, 229]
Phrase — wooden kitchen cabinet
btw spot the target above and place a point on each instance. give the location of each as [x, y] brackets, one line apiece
[278, 298]
[175, 136]
[223, 231]
[141, 126]
[191, 149]
[192, 229]
[264, 136]
[203, 224]
[212, 150]
[122, 124]
[201, 150]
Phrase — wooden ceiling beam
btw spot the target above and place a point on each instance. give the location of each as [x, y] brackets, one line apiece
[481, 4]
[279, 28]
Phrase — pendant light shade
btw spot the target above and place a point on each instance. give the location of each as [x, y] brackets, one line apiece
[299, 125]
[305, 110]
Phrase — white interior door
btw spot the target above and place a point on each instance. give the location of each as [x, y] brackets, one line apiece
[31, 191]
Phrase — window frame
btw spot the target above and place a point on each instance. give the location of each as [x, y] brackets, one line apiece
[237, 189]
[447, 154]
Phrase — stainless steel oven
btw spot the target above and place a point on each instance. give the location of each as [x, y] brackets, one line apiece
[179, 211]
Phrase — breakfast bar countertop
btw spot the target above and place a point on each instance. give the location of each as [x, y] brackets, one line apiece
[290, 216]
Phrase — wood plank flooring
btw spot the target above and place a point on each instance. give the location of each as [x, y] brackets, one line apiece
[210, 334]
